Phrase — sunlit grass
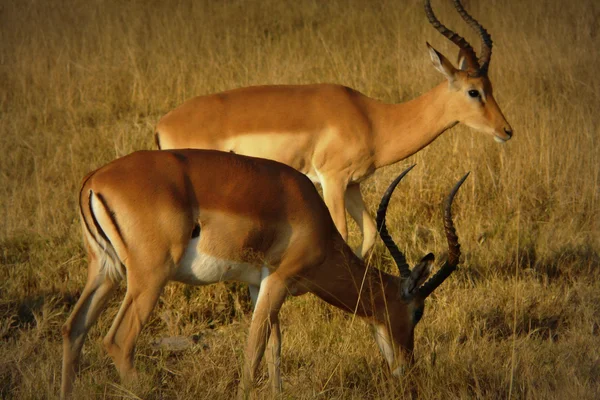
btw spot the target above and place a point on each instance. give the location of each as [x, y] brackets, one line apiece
[84, 82]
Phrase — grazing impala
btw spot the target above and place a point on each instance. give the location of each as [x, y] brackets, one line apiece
[202, 216]
[336, 135]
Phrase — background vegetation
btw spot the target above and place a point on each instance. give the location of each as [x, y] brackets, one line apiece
[83, 82]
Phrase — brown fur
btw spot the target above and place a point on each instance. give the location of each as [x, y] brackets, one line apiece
[332, 133]
[253, 212]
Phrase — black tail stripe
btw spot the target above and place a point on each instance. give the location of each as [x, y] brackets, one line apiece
[96, 223]
[113, 218]
[85, 221]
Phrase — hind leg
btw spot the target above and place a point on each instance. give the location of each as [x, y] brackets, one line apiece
[93, 300]
[333, 195]
[144, 287]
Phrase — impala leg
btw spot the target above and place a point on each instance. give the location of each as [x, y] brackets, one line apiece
[266, 317]
[274, 356]
[93, 300]
[357, 210]
[143, 290]
[333, 194]
[273, 347]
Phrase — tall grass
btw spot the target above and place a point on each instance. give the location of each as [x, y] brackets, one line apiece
[83, 82]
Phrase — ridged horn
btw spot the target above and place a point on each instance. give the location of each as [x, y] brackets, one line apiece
[486, 39]
[453, 246]
[397, 255]
[455, 38]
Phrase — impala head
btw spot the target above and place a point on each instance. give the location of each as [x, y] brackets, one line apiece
[415, 285]
[471, 97]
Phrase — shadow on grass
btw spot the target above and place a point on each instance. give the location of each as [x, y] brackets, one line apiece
[21, 314]
[567, 263]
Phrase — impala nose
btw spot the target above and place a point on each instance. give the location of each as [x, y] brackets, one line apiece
[503, 136]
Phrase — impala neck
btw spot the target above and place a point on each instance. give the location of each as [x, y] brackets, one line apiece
[346, 283]
[403, 129]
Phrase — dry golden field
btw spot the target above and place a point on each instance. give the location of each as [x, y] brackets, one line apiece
[83, 82]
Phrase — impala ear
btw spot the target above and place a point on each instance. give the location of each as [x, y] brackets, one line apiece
[442, 64]
[422, 270]
[418, 276]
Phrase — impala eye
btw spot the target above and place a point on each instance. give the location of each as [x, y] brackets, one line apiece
[473, 93]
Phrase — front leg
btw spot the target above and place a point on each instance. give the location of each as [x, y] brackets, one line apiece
[274, 357]
[264, 319]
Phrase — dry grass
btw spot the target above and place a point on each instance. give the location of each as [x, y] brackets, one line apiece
[84, 82]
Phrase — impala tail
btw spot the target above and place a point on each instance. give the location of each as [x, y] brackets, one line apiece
[102, 234]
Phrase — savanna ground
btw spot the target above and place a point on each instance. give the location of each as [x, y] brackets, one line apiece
[83, 82]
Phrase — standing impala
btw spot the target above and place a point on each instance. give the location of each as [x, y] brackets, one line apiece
[202, 216]
[336, 135]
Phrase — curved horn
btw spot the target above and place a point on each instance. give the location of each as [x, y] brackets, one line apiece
[453, 246]
[486, 39]
[397, 255]
[452, 36]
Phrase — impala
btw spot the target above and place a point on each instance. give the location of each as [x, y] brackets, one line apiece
[201, 217]
[336, 135]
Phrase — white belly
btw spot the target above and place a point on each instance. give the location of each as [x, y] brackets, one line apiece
[196, 268]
